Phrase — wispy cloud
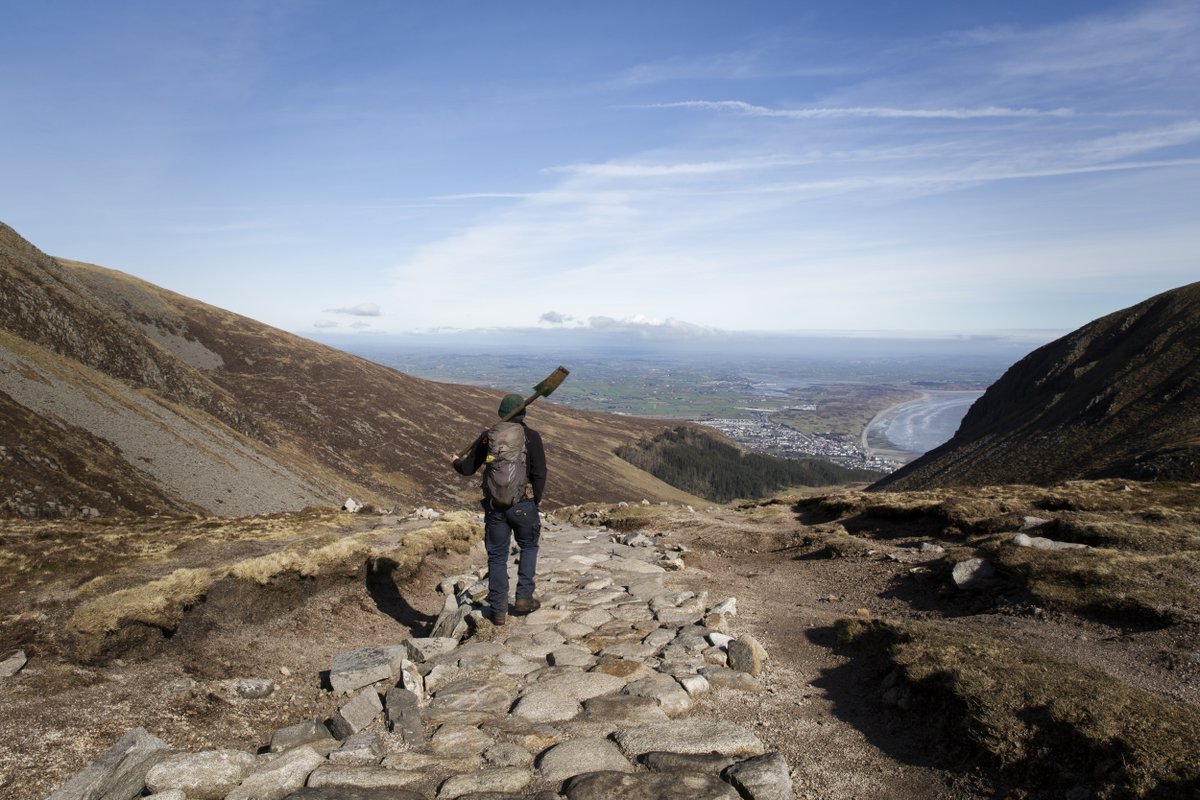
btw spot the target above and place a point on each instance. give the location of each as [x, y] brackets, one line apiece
[325, 323]
[878, 112]
[360, 310]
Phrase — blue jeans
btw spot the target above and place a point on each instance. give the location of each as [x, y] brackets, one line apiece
[499, 524]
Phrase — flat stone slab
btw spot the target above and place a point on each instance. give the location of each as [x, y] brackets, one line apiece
[725, 678]
[279, 778]
[538, 705]
[623, 711]
[571, 656]
[208, 775]
[362, 749]
[499, 779]
[761, 778]
[713, 763]
[307, 732]
[430, 647]
[459, 741]
[581, 755]
[649, 786]
[355, 669]
[697, 736]
[472, 695]
[347, 793]
[119, 772]
[329, 776]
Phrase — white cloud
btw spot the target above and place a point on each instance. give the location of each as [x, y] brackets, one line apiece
[878, 112]
[325, 323]
[554, 318]
[360, 310]
[360, 325]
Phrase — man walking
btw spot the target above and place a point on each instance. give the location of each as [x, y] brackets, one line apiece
[513, 480]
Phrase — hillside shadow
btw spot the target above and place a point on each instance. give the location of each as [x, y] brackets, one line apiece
[855, 689]
[381, 585]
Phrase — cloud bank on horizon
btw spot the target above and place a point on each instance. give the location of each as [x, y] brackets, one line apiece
[818, 167]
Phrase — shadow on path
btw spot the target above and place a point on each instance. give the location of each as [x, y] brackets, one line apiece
[381, 585]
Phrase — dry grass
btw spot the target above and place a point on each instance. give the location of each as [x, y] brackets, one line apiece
[1041, 722]
[163, 603]
[1142, 568]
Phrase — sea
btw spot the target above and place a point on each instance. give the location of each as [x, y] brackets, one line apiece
[919, 426]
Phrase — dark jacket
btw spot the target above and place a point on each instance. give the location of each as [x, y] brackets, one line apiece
[535, 460]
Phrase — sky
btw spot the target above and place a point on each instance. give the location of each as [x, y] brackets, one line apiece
[681, 167]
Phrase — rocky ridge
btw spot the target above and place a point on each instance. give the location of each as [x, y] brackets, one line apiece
[120, 397]
[1119, 397]
[587, 697]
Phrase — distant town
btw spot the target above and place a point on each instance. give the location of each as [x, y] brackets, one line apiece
[759, 433]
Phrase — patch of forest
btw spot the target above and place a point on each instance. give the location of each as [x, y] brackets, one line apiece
[698, 463]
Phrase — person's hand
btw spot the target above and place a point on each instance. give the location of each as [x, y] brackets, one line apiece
[453, 458]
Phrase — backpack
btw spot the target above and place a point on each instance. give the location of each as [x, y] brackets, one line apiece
[506, 476]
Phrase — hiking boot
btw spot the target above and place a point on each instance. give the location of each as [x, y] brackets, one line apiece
[498, 617]
[526, 605]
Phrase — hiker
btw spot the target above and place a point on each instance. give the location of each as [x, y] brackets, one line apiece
[513, 481]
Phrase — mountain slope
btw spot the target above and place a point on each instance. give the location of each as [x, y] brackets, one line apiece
[126, 397]
[1120, 397]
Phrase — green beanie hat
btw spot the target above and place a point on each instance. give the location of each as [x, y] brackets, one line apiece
[510, 402]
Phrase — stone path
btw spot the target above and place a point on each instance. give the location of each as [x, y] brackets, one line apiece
[586, 698]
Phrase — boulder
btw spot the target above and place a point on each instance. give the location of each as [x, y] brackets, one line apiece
[697, 736]
[761, 778]
[343, 776]
[726, 607]
[360, 712]
[746, 655]
[352, 505]
[208, 775]
[451, 623]
[507, 754]
[404, 716]
[725, 678]
[622, 710]
[307, 732]
[472, 695]
[649, 786]
[364, 748]
[427, 648]
[713, 763]
[581, 755]
[1042, 543]
[347, 793]
[459, 741]
[499, 779]
[280, 777]
[972, 573]
[13, 664]
[355, 669]
[120, 771]
[571, 656]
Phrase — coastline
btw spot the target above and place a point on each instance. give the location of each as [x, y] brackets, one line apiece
[875, 440]
[886, 452]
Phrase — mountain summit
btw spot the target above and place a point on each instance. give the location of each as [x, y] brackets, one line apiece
[117, 395]
[1120, 397]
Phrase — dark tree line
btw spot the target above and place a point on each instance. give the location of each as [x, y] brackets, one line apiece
[692, 460]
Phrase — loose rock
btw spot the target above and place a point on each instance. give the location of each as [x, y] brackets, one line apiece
[209, 775]
[649, 786]
[119, 772]
[761, 778]
[581, 755]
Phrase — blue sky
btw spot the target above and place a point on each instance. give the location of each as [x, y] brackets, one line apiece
[394, 167]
